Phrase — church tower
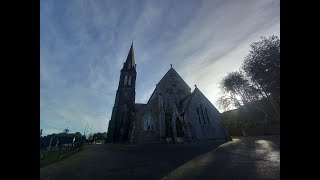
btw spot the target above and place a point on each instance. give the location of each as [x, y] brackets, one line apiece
[123, 109]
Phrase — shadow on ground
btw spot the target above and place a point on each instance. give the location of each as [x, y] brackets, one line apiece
[243, 158]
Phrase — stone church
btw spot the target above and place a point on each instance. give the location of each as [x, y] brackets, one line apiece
[173, 114]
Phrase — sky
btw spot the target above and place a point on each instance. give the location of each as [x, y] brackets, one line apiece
[83, 44]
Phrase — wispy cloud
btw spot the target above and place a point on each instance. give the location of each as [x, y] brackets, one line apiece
[84, 43]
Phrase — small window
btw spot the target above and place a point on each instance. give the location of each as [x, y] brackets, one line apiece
[125, 80]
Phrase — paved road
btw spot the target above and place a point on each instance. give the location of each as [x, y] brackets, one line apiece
[109, 161]
[244, 158]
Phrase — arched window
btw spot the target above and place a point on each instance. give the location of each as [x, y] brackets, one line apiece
[179, 128]
[202, 114]
[148, 123]
[129, 81]
[125, 80]
[207, 116]
[160, 102]
[168, 125]
[198, 115]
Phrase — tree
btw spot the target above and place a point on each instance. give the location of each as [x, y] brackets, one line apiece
[105, 135]
[237, 91]
[77, 135]
[255, 88]
[226, 101]
[66, 131]
[90, 136]
[262, 66]
[98, 136]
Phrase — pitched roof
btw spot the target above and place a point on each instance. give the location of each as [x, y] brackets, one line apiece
[171, 70]
[152, 95]
[185, 102]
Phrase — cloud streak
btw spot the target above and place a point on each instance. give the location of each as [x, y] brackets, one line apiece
[84, 43]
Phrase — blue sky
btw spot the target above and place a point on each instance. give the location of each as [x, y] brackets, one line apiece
[83, 44]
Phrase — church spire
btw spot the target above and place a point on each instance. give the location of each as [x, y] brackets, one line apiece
[130, 59]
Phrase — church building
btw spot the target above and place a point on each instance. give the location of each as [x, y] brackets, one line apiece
[173, 114]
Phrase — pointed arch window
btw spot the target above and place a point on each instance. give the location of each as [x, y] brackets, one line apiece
[160, 102]
[129, 81]
[125, 80]
[207, 115]
[148, 123]
[198, 115]
[202, 114]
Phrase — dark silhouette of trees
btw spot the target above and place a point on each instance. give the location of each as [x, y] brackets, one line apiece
[77, 135]
[66, 131]
[237, 91]
[235, 84]
[105, 135]
[90, 136]
[257, 80]
[228, 100]
[262, 66]
[63, 138]
[99, 136]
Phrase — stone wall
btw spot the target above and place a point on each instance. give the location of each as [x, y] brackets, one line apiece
[143, 135]
[256, 131]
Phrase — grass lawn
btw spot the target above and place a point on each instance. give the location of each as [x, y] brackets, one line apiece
[120, 161]
[53, 156]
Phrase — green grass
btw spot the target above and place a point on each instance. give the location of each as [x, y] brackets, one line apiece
[54, 156]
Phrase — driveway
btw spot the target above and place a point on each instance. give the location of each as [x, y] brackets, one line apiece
[242, 158]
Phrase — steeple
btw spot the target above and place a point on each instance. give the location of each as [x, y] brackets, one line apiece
[130, 58]
[124, 106]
